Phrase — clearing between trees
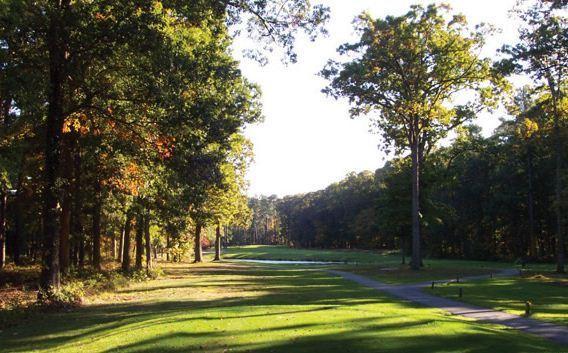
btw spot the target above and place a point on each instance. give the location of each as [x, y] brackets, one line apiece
[230, 307]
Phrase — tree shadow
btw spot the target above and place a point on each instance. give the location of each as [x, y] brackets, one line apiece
[271, 310]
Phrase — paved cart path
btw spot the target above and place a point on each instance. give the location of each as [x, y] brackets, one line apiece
[414, 293]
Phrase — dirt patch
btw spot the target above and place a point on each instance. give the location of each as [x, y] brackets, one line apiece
[14, 297]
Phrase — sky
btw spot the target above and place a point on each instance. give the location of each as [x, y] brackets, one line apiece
[307, 140]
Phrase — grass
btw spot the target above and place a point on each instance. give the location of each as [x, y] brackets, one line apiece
[267, 252]
[242, 308]
[383, 266]
[548, 295]
[404, 275]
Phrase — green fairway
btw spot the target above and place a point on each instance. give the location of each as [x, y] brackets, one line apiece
[239, 308]
[267, 252]
[383, 266]
[549, 296]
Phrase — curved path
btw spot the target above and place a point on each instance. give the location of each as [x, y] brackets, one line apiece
[414, 293]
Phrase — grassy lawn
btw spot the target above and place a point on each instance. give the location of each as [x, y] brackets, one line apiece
[267, 252]
[383, 266]
[240, 308]
[404, 275]
[549, 295]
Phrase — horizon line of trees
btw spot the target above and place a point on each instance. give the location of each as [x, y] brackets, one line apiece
[419, 77]
[484, 198]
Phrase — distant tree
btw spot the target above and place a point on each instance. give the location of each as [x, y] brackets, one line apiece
[543, 53]
[407, 70]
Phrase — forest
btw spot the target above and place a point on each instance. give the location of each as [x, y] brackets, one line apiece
[483, 198]
[122, 126]
[127, 220]
[501, 197]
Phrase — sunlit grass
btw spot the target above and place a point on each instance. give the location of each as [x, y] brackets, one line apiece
[548, 295]
[240, 308]
[383, 266]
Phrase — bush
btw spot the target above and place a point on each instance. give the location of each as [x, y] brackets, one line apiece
[70, 294]
[143, 275]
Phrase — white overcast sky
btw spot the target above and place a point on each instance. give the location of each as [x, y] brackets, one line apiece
[307, 140]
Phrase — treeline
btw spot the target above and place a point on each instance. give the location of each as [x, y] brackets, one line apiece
[483, 198]
[420, 78]
[121, 126]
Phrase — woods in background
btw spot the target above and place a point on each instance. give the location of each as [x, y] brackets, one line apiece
[420, 78]
[483, 198]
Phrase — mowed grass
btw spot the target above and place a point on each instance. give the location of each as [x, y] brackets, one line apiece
[239, 308]
[270, 252]
[382, 266]
[548, 295]
[405, 275]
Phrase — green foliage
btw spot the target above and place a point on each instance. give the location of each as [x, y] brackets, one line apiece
[69, 294]
[476, 197]
[406, 71]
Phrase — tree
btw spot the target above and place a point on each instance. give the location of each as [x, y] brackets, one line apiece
[526, 130]
[407, 71]
[119, 65]
[542, 52]
[229, 201]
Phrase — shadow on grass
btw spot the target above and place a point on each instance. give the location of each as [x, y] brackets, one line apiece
[323, 314]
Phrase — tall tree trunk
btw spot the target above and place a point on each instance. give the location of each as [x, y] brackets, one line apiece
[97, 225]
[218, 243]
[167, 247]
[18, 226]
[56, 46]
[139, 241]
[148, 243]
[121, 244]
[126, 243]
[416, 258]
[65, 218]
[3, 206]
[560, 242]
[197, 246]
[77, 212]
[81, 263]
[64, 231]
[532, 236]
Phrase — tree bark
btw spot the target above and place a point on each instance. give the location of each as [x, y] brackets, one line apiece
[147, 243]
[560, 242]
[532, 236]
[81, 263]
[139, 241]
[416, 258]
[97, 226]
[56, 43]
[3, 206]
[121, 244]
[77, 212]
[126, 243]
[66, 204]
[167, 247]
[18, 224]
[218, 243]
[197, 246]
